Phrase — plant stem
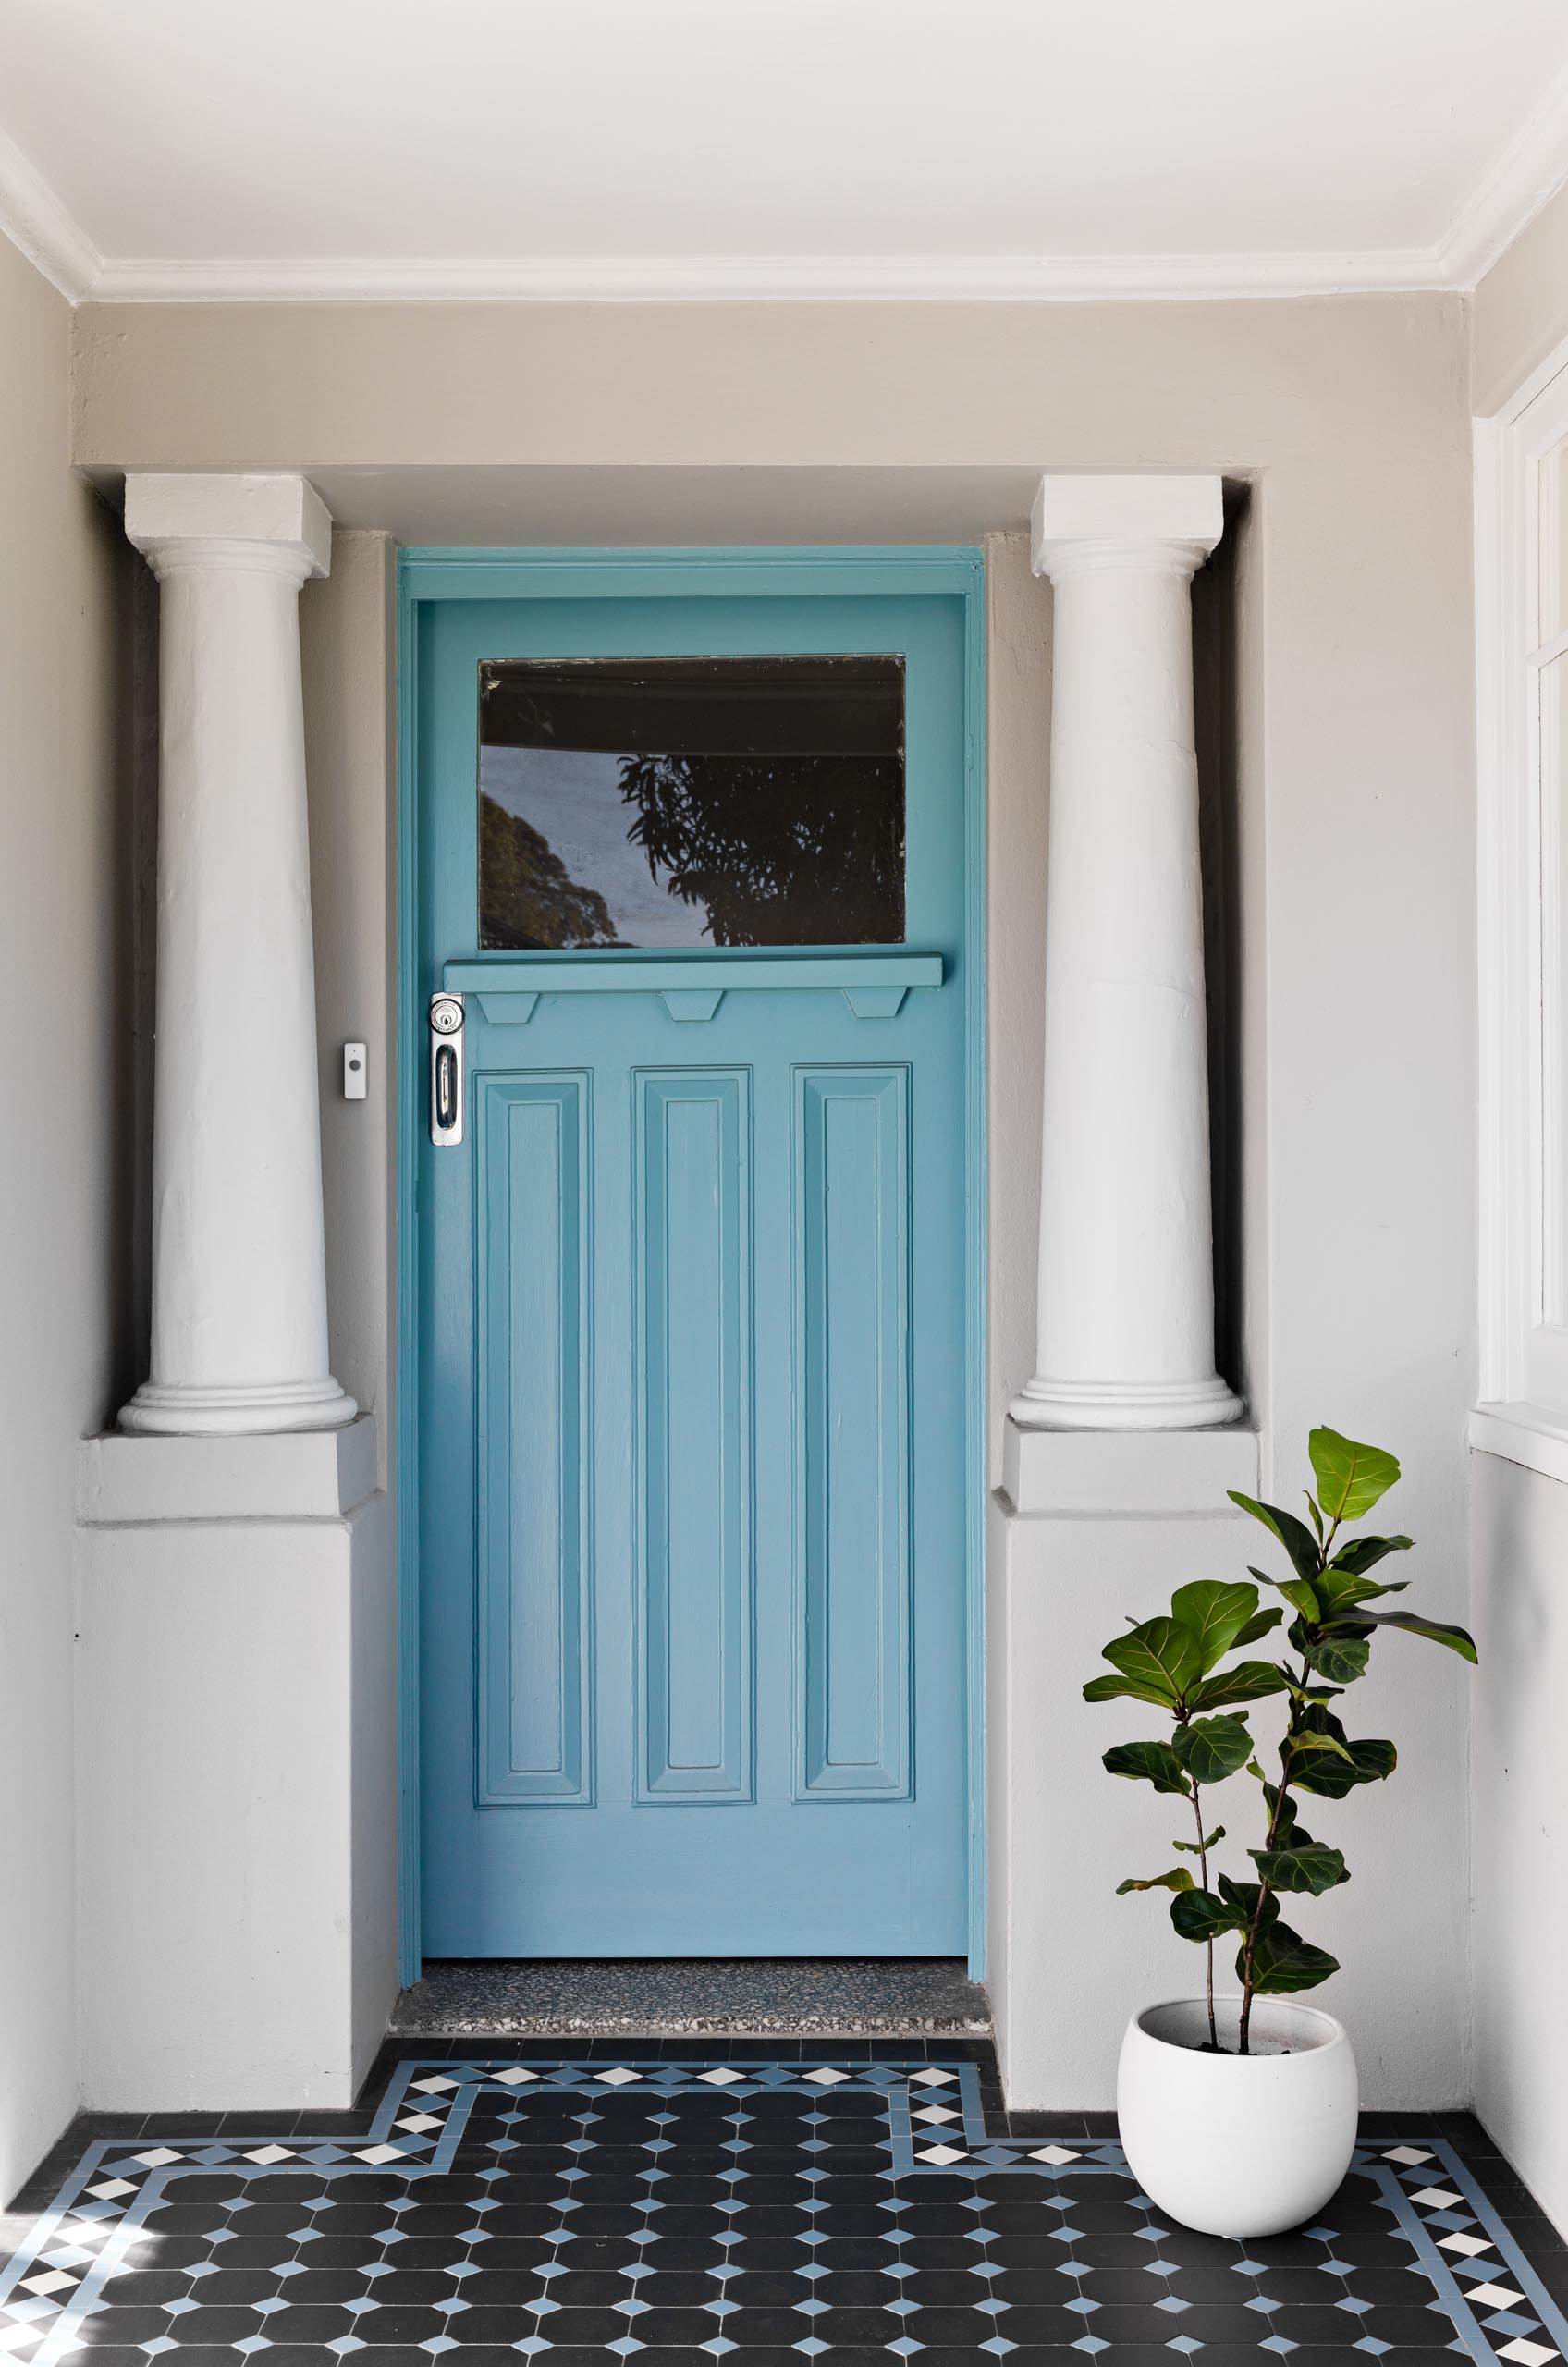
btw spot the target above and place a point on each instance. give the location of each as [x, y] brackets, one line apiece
[1266, 1889]
[1208, 1944]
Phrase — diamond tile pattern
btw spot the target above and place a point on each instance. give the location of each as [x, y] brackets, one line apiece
[686, 2203]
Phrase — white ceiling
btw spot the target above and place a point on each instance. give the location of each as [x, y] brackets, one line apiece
[209, 148]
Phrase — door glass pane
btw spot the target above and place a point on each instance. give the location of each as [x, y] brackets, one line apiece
[691, 802]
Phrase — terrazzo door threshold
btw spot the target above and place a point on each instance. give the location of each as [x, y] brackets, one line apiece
[761, 1998]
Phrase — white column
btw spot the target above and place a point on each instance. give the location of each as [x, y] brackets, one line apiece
[239, 1265]
[1126, 1270]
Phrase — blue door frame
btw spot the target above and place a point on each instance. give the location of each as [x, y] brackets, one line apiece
[429, 576]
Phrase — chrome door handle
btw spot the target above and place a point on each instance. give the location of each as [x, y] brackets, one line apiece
[446, 1070]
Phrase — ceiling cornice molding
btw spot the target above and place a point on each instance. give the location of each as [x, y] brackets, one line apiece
[635, 280]
[33, 219]
[1530, 171]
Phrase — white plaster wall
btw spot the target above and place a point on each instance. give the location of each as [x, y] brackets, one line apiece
[1520, 313]
[61, 1273]
[1018, 638]
[236, 1793]
[1076, 1960]
[347, 630]
[374, 1797]
[1349, 420]
[348, 644]
[1519, 1531]
[1073, 1961]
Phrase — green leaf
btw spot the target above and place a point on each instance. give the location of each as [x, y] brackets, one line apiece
[1314, 1515]
[1458, 1639]
[1213, 1613]
[1351, 1477]
[1292, 1534]
[1341, 1593]
[1125, 1688]
[1248, 1681]
[1157, 1653]
[1330, 1779]
[1307, 1865]
[1198, 1914]
[1148, 1762]
[1305, 1745]
[1178, 1879]
[1282, 1961]
[1212, 1748]
[1330, 1775]
[1207, 1842]
[1341, 1659]
[1296, 1591]
[1248, 1900]
[1288, 1833]
[1364, 1554]
[1258, 1627]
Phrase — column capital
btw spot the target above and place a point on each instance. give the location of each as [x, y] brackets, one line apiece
[271, 520]
[1085, 523]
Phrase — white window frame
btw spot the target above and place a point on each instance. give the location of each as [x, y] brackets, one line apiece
[1523, 947]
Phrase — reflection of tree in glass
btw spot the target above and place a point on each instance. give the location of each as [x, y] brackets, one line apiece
[528, 899]
[780, 850]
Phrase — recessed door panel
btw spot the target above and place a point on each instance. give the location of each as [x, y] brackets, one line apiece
[691, 1209]
[533, 1642]
[852, 1455]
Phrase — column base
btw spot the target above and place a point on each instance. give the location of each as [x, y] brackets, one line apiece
[179, 1410]
[238, 1655]
[1124, 1404]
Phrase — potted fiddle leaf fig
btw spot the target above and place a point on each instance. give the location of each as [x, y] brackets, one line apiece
[1238, 2109]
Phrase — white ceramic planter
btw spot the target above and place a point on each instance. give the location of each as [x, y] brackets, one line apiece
[1232, 2144]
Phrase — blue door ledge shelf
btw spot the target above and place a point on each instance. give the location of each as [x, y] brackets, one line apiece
[873, 985]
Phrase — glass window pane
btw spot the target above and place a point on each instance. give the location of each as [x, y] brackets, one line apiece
[691, 802]
[1553, 530]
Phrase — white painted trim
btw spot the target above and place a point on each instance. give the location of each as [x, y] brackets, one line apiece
[1523, 1433]
[34, 219]
[124, 1482]
[1524, 1128]
[1126, 514]
[1502, 882]
[1125, 1475]
[681, 279]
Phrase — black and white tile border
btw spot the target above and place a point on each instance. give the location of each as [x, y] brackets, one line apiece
[924, 2121]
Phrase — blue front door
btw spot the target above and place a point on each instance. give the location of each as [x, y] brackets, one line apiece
[693, 1313]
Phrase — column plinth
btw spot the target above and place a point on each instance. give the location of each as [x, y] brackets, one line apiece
[239, 1338]
[1126, 1272]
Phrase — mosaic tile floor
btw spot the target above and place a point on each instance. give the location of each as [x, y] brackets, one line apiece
[677, 2203]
